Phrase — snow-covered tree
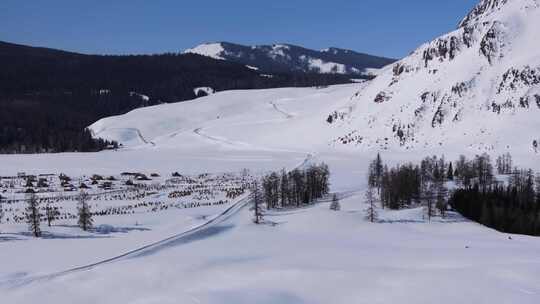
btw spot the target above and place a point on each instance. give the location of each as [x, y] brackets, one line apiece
[32, 215]
[85, 214]
[335, 205]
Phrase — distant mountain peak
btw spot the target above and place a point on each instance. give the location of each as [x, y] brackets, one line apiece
[213, 50]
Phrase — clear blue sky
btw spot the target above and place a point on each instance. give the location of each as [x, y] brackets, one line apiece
[382, 27]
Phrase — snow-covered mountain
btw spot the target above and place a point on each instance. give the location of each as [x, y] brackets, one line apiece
[290, 58]
[475, 89]
[477, 86]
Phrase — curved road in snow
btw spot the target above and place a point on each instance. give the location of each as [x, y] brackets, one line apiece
[200, 232]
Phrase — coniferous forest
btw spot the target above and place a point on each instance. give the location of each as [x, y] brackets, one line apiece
[48, 97]
[296, 188]
[500, 197]
[512, 207]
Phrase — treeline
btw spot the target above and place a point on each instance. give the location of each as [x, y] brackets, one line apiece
[295, 188]
[48, 97]
[411, 185]
[56, 129]
[512, 207]
[510, 204]
[406, 184]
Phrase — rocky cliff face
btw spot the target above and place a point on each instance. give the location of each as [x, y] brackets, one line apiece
[483, 8]
[468, 87]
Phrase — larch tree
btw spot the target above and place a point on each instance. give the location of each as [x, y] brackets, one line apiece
[51, 213]
[85, 214]
[376, 172]
[335, 205]
[2, 213]
[441, 203]
[258, 201]
[371, 212]
[32, 215]
[429, 198]
[284, 189]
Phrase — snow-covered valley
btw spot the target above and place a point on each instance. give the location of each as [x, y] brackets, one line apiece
[311, 255]
[186, 234]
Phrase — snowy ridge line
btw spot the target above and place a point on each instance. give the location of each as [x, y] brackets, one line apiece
[239, 205]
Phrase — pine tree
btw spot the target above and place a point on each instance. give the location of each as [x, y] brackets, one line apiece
[257, 202]
[33, 216]
[450, 174]
[85, 214]
[335, 205]
[371, 212]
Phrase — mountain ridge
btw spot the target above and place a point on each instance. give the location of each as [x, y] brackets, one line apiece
[286, 57]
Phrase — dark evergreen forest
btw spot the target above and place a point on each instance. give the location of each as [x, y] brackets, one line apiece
[48, 97]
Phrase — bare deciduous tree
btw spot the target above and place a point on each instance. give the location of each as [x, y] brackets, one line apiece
[85, 214]
[32, 215]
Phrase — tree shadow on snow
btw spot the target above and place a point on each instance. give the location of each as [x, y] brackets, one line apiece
[60, 236]
[9, 238]
[451, 217]
[182, 240]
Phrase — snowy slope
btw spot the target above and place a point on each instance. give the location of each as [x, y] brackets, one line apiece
[314, 256]
[475, 88]
[250, 119]
[290, 58]
[471, 90]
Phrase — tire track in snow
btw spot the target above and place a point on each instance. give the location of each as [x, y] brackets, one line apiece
[280, 110]
[136, 130]
[141, 137]
[199, 131]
